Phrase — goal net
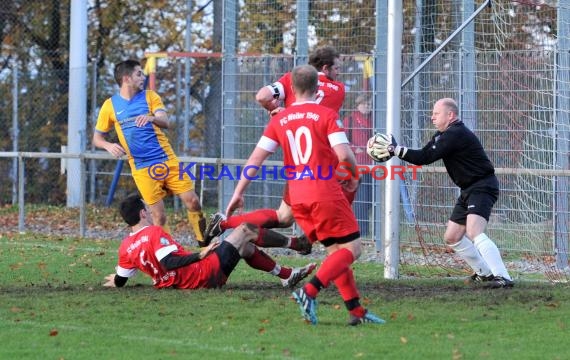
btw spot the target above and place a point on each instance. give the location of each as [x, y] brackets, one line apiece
[509, 71]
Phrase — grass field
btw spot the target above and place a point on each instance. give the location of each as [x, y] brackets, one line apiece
[54, 307]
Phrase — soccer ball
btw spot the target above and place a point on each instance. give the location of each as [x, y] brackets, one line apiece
[376, 147]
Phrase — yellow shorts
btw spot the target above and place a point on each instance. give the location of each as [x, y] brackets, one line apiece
[158, 180]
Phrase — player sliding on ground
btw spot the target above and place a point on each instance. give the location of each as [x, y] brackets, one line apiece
[470, 168]
[151, 250]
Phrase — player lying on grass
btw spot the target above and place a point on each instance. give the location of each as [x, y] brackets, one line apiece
[151, 250]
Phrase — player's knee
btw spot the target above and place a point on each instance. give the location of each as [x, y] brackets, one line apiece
[357, 251]
[473, 233]
[246, 250]
[355, 248]
[285, 219]
[244, 233]
[451, 238]
[159, 219]
[192, 202]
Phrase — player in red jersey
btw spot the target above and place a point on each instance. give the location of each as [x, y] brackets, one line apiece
[151, 250]
[331, 94]
[314, 144]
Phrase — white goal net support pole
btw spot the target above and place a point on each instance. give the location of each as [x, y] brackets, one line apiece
[394, 86]
[392, 188]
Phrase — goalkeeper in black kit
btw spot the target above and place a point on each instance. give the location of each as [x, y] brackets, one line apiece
[470, 168]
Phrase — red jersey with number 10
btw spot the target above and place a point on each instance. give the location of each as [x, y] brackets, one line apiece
[329, 94]
[307, 132]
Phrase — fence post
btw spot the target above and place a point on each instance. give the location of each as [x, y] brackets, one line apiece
[15, 130]
[561, 149]
[21, 182]
[82, 184]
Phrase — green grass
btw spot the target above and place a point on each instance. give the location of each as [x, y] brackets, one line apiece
[54, 307]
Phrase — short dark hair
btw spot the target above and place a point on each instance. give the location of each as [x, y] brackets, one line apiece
[322, 56]
[125, 68]
[130, 209]
[305, 79]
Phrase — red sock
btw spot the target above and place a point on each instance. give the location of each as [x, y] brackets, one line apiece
[332, 267]
[358, 311]
[346, 285]
[270, 238]
[266, 218]
[285, 272]
[261, 261]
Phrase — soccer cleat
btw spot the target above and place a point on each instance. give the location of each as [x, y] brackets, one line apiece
[368, 317]
[477, 279]
[214, 227]
[303, 246]
[307, 304]
[499, 282]
[298, 274]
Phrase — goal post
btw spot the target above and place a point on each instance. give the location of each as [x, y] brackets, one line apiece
[513, 89]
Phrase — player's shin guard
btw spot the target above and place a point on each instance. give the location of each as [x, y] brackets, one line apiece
[346, 286]
[265, 218]
[332, 267]
[469, 253]
[198, 223]
[492, 255]
[270, 238]
[261, 261]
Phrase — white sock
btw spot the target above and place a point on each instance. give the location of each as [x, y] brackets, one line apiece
[276, 270]
[492, 255]
[467, 251]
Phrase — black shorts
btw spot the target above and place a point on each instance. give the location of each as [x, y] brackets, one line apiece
[229, 257]
[340, 240]
[477, 199]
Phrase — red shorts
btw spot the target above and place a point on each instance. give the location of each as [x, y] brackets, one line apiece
[349, 195]
[286, 197]
[325, 219]
[206, 273]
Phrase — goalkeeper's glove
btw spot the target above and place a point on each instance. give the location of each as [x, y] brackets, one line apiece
[396, 150]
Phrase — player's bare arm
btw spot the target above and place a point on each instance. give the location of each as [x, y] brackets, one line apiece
[113, 148]
[114, 280]
[160, 119]
[346, 157]
[266, 98]
[171, 261]
[255, 160]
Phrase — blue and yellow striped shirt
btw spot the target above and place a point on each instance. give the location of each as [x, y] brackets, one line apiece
[145, 145]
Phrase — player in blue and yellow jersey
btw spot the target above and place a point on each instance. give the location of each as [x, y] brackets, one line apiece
[138, 116]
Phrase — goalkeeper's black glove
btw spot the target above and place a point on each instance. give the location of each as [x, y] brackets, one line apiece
[396, 150]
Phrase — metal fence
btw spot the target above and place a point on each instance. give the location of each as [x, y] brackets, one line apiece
[509, 69]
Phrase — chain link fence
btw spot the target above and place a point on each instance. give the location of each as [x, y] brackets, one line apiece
[509, 70]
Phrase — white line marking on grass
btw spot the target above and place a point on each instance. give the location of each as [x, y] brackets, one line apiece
[37, 324]
[195, 344]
